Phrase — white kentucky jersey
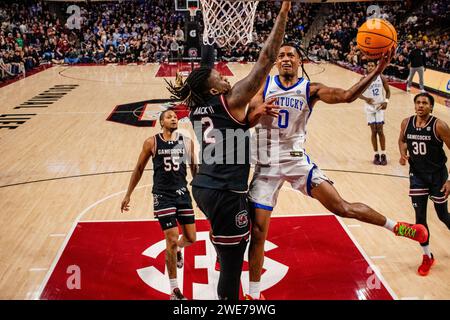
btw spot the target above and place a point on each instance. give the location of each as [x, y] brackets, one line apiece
[282, 138]
[376, 93]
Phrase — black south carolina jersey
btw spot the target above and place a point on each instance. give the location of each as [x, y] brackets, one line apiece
[425, 149]
[225, 147]
[169, 165]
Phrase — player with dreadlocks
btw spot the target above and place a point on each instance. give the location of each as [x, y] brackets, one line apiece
[281, 155]
[218, 114]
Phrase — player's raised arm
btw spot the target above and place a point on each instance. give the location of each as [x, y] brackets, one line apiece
[243, 91]
[331, 95]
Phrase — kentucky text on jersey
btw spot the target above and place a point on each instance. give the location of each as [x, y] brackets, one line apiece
[418, 137]
[289, 102]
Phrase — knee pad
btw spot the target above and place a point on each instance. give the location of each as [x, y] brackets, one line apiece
[420, 207]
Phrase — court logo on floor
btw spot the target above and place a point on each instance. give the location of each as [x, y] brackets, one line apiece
[306, 257]
[146, 113]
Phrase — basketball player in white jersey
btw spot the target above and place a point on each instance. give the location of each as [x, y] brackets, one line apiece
[376, 103]
[281, 155]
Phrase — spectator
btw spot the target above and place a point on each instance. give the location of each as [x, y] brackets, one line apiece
[179, 34]
[71, 56]
[110, 56]
[417, 63]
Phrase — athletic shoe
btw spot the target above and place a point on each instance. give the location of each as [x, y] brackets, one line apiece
[376, 159]
[217, 266]
[383, 160]
[177, 295]
[416, 232]
[425, 267]
[180, 261]
[249, 297]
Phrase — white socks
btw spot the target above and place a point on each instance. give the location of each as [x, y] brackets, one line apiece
[426, 250]
[173, 284]
[255, 290]
[389, 224]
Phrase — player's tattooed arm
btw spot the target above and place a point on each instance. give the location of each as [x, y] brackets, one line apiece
[244, 90]
[148, 150]
[258, 107]
[402, 143]
[320, 92]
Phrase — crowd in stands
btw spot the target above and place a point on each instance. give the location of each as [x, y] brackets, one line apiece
[423, 28]
[142, 31]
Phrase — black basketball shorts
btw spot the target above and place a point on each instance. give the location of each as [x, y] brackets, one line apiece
[428, 184]
[228, 213]
[168, 208]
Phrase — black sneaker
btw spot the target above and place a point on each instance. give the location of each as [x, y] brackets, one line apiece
[376, 159]
[383, 160]
[180, 261]
[177, 295]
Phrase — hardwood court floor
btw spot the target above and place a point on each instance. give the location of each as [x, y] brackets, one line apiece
[66, 163]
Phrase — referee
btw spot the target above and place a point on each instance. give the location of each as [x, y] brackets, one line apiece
[417, 63]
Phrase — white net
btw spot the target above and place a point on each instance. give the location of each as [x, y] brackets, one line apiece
[228, 23]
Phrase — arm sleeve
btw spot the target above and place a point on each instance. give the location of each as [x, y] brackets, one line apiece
[207, 56]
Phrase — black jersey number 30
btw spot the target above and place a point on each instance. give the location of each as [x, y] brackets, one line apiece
[419, 148]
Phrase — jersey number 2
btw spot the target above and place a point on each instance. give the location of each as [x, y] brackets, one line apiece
[209, 127]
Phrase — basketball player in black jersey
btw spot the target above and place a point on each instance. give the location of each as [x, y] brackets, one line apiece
[171, 199]
[218, 114]
[421, 142]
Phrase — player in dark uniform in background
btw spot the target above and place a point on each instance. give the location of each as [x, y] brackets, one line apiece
[218, 114]
[171, 199]
[421, 144]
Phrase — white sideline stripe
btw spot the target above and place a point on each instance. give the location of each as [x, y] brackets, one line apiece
[368, 260]
[69, 235]
[377, 257]
[203, 218]
[37, 269]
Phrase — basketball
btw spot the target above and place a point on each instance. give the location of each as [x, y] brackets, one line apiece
[376, 37]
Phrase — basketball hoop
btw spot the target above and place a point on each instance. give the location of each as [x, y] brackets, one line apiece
[228, 22]
[192, 12]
